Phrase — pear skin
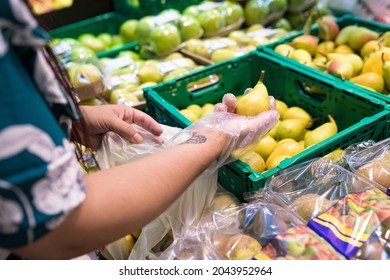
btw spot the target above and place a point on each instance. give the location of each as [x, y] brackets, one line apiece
[342, 36]
[321, 133]
[374, 61]
[370, 47]
[291, 128]
[302, 56]
[272, 132]
[254, 160]
[360, 36]
[284, 49]
[255, 101]
[371, 80]
[265, 146]
[283, 150]
[306, 42]
[295, 112]
[324, 48]
[328, 28]
[343, 49]
[281, 107]
[341, 68]
[356, 62]
[386, 74]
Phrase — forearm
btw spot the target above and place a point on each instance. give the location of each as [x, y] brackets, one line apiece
[123, 199]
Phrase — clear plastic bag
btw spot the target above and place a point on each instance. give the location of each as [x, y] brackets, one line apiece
[344, 208]
[261, 231]
[373, 162]
[185, 211]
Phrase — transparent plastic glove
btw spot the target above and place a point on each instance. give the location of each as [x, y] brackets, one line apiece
[244, 132]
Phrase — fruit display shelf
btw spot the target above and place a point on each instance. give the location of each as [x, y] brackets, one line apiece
[105, 23]
[343, 21]
[358, 118]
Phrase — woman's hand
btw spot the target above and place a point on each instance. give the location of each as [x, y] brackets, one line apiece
[117, 118]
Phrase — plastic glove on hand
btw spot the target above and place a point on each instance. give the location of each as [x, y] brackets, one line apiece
[244, 131]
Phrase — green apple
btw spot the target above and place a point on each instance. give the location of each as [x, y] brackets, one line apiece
[143, 29]
[233, 12]
[149, 73]
[191, 11]
[255, 11]
[131, 54]
[127, 30]
[212, 21]
[81, 53]
[90, 41]
[164, 39]
[278, 6]
[281, 23]
[106, 38]
[189, 27]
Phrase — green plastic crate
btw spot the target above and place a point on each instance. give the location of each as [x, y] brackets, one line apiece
[342, 21]
[358, 117]
[109, 22]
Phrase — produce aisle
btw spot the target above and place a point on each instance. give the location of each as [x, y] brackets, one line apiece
[316, 186]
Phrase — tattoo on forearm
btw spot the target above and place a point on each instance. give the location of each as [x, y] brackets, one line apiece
[196, 139]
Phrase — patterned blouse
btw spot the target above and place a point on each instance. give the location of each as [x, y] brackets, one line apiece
[40, 178]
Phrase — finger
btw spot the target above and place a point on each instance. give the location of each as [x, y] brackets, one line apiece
[220, 107]
[230, 101]
[272, 103]
[147, 122]
[247, 91]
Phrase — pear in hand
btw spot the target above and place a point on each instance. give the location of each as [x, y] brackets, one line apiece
[255, 101]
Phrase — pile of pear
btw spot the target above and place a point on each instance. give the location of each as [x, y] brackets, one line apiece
[293, 133]
[354, 53]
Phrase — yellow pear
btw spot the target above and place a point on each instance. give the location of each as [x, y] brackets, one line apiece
[374, 61]
[284, 49]
[287, 148]
[281, 107]
[295, 112]
[255, 101]
[254, 160]
[370, 80]
[356, 62]
[291, 128]
[302, 56]
[324, 48]
[275, 161]
[272, 132]
[386, 74]
[342, 36]
[265, 146]
[235, 246]
[370, 47]
[343, 49]
[321, 133]
[189, 115]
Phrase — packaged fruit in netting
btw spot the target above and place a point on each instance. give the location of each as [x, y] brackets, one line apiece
[264, 12]
[260, 230]
[217, 18]
[87, 79]
[373, 162]
[336, 202]
[159, 34]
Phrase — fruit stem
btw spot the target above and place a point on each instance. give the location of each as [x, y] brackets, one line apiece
[331, 119]
[262, 73]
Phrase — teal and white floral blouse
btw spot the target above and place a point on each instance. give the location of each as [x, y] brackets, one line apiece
[40, 178]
